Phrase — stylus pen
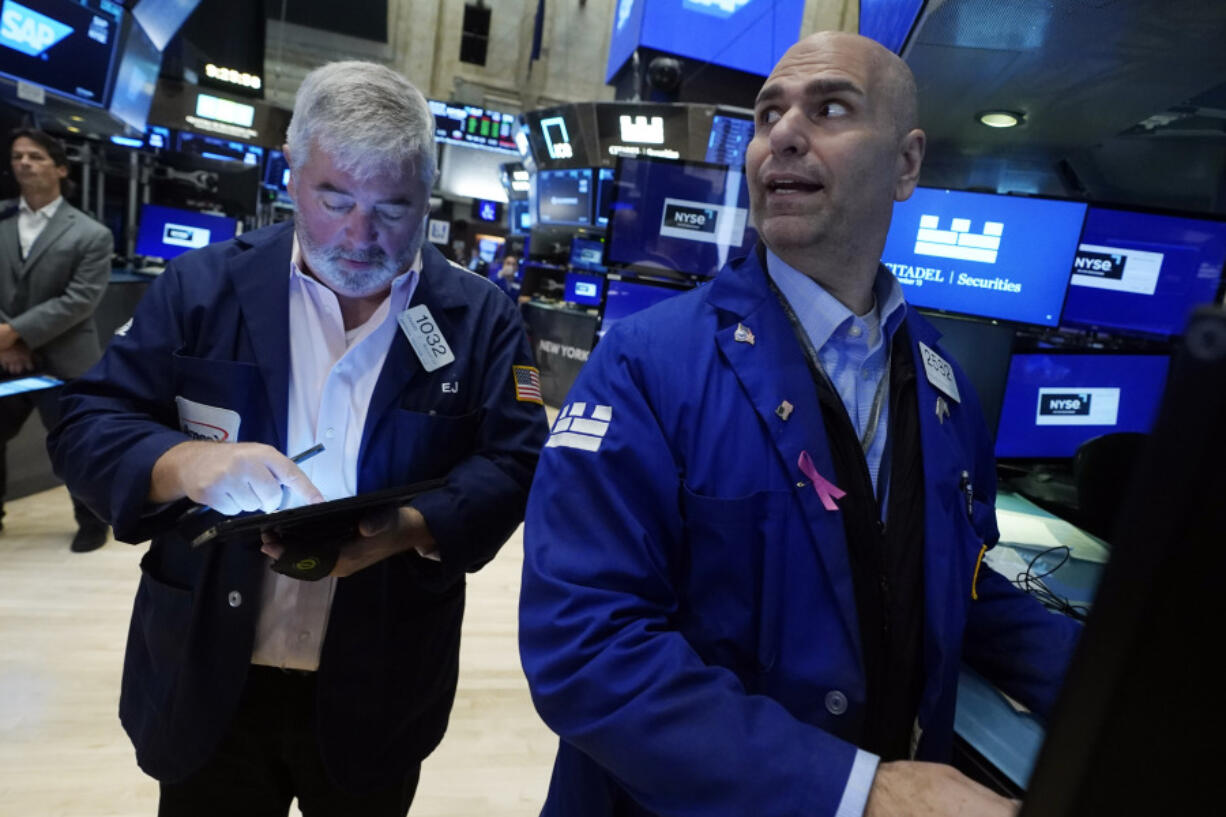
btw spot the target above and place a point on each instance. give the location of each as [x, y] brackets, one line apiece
[297, 459]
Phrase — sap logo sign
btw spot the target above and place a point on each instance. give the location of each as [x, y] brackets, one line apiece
[1065, 405]
[690, 218]
[1099, 264]
[27, 31]
[642, 129]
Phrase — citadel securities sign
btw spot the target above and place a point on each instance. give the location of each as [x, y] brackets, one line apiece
[994, 256]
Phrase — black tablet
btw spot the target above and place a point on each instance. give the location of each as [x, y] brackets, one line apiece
[334, 522]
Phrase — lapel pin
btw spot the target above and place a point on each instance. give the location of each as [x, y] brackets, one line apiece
[744, 335]
[942, 409]
[784, 410]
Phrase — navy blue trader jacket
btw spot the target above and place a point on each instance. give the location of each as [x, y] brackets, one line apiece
[214, 329]
[688, 623]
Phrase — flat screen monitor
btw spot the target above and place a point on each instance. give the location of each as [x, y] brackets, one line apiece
[219, 150]
[519, 215]
[686, 217]
[167, 232]
[163, 18]
[158, 138]
[276, 173]
[1054, 402]
[66, 46]
[489, 247]
[730, 136]
[584, 289]
[1002, 257]
[623, 298]
[604, 195]
[135, 79]
[1144, 272]
[587, 254]
[564, 196]
[473, 127]
[488, 211]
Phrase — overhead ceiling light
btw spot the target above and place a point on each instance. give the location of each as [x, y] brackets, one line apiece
[76, 118]
[1001, 119]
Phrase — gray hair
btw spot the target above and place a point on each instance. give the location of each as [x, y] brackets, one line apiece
[366, 116]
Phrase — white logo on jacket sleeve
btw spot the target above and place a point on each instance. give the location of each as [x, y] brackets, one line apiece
[580, 426]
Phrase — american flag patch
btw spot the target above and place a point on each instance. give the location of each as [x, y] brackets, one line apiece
[527, 384]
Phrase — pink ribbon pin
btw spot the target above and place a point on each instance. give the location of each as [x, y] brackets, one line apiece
[827, 491]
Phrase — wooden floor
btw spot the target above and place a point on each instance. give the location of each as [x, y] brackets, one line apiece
[63, 621]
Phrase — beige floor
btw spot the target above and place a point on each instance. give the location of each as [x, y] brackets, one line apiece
[63, 620]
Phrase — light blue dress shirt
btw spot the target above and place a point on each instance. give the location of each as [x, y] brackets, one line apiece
[854, 353]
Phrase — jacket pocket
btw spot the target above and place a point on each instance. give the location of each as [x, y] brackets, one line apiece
[226, 385]
[162, 615]
[424, 445]
[730, 568]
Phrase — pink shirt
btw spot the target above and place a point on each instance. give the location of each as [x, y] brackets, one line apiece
[331, 380]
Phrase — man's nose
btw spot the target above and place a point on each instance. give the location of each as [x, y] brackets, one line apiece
[362, 224]
[788, 135]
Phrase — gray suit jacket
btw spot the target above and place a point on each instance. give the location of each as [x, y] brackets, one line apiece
[50, 297]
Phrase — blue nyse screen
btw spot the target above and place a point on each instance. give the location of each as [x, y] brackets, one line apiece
[63, 45]
[1144, 272]
[687, 217]
[584, 288]
[166, 232]
[1000, 257]
[748, 35]
[1055, 402]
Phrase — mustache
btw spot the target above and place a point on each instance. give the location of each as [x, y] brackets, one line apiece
[370, 255]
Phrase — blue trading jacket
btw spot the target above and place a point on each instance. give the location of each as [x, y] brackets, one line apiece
[214, 328]
[687, 619]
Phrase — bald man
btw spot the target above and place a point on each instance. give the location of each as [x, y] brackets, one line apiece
[753, 553]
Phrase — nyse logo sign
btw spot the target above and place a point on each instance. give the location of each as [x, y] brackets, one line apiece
[958, 242]
[27, 31]
[182, 235]
[1122, 269]
[1099, 264]
[642, 129]
[1064, 406]
[700, 221]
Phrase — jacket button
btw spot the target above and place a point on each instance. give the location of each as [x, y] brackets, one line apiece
[836, 702]
[236, 598]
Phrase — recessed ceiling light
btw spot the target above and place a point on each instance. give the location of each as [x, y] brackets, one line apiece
[1001, 119]
[73, 129]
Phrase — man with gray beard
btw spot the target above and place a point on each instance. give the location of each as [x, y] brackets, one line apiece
[245, 685]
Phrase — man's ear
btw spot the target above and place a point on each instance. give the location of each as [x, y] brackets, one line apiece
[910, 158]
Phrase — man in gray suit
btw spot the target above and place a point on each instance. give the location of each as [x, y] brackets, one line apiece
[55, 262]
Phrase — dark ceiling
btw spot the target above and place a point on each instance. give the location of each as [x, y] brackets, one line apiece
[1124, 100]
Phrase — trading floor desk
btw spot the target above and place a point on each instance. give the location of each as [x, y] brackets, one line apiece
[1000, 730]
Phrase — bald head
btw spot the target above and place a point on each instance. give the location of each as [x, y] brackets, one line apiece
[890, 76]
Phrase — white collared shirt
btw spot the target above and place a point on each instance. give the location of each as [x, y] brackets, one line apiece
[31, 223]
[332, 378]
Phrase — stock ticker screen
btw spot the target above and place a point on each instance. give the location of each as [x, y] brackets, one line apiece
[473, 127]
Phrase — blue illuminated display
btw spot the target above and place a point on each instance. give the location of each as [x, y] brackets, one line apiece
[1055, 402]
[1002, 257]
[747, 35]
[1144, 272]
[166, 232]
